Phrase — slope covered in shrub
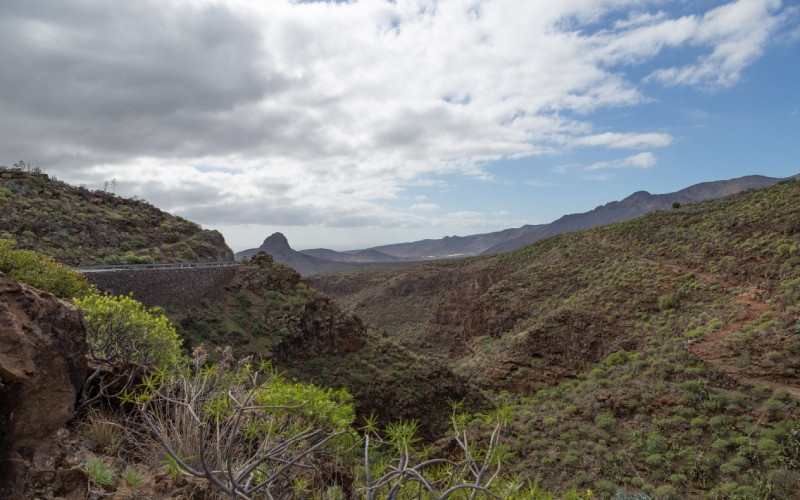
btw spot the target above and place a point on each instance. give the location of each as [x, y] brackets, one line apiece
[658, 355]
[77, 226]
[268, 311]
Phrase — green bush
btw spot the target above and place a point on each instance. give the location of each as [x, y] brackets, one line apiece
[668, 302]
[123, 329]
[189, 254]
[605, 420]
[42, 272]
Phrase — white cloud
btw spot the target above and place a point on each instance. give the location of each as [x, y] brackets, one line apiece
[641, 160]
[736, 35]
[564, 169]
[625, 140]
[425, 206]
[464, 214]
[319, 113]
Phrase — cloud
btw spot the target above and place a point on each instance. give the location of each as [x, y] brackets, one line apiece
[324, 112]
[464, 214]
[625, 140]
[641, 160]
[564, 169]
[425, 206]
[538, 183]
[736, 33]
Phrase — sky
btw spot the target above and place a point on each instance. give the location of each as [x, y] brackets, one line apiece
[352, 124]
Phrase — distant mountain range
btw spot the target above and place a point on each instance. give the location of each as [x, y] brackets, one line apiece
[320, 260]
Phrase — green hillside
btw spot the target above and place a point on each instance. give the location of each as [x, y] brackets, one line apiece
[267, 311]
[659, 355]
[77, 226]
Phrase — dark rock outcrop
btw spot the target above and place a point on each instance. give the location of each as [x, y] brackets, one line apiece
[319, 327]
[323, 330]
[42, 369]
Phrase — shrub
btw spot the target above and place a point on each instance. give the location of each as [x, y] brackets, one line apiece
[655, 459]
[767, 447]
[668, 302]
[605, 420]
[123, 329]
[132, 477]
[266, 431]
[99, 473]
[42, 272]
[188, 254]
[102, 433]
[252, 433]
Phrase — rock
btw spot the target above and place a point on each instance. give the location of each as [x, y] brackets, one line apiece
[322, 329]
[42, 369]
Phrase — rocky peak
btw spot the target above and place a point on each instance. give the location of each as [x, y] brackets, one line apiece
[275, 243]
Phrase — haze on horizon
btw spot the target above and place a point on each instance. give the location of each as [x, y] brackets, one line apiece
[353, 124]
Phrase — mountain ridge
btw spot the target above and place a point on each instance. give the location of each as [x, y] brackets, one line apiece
[321, 260]
[634, 205]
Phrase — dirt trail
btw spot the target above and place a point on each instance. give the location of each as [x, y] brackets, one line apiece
[711, 349]
[708, 349]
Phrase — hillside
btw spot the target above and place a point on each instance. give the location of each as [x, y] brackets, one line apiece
[658, 354]
[268, 311]
[350, 256]
[77, 226]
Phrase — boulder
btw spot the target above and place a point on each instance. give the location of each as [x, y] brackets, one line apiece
[42, 369]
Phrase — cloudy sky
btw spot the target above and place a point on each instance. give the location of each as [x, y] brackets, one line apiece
[351, 124]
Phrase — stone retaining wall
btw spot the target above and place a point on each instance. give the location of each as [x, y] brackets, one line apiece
[179, 288]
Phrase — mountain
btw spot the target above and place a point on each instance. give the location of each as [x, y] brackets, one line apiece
[656, 355]
[637, 204]
[366, 256]
[77, 226]
[278, 247]
[451, 246]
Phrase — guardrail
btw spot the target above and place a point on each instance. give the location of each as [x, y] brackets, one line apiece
[175, 265]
